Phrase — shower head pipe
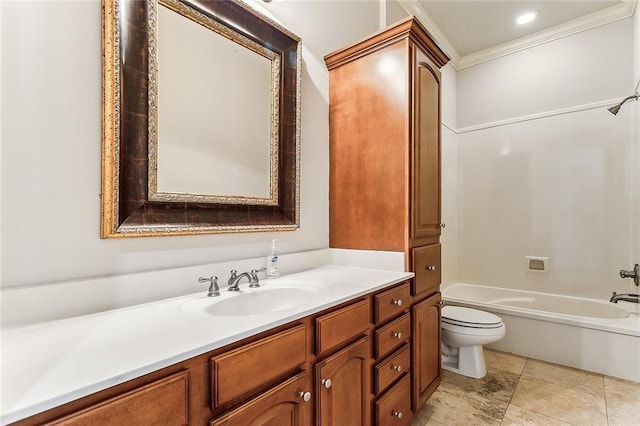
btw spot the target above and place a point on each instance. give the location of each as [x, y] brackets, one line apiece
[614, 109]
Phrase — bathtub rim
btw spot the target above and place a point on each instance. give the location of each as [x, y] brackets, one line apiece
[629, 326]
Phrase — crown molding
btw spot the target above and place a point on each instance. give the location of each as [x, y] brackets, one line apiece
[622, 10]
[413, 7]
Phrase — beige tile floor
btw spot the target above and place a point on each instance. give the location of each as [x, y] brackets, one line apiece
[525, 391]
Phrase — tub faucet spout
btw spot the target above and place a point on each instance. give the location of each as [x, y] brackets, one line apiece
[626, 297]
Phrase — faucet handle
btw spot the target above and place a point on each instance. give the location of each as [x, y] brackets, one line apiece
[214, 290]
[254, 281]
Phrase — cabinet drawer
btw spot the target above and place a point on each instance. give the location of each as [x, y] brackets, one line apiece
[391, 302]
[391, 369]
[339, 326]
[255, 364]
[394, 407]
[283, 405]
[392, 335]
[427, 267]
[161, 402]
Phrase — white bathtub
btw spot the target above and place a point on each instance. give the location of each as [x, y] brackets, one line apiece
[589, 334]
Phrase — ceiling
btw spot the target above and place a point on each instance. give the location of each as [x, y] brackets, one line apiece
[472, 27]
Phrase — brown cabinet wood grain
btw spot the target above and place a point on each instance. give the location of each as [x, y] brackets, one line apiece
[343, 386]
[425, 199]
[384, 140]
[427, 265]
[392, 335]
[288, 404]
[385, 168]
[248, 367]
[426, 349]
[394, 408]
[391, 369]
[164, 401]
[340, 326]
[391, 303]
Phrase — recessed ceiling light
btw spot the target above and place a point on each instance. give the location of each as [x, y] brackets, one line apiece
[527, 17]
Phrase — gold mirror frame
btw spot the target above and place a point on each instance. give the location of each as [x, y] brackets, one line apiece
[129, 206]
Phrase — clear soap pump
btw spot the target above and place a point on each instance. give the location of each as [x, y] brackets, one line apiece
[272, 261]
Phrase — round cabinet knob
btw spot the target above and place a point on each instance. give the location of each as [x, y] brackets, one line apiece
[397, 335]
[306, 396]
[443, 225]
[397, 414]
[326, 383]
[397, 302]
[431, 267]
[396, 368]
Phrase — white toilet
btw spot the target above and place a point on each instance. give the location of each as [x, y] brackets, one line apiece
[464, 331]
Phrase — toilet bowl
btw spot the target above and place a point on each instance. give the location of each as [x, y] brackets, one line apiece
[464, 332]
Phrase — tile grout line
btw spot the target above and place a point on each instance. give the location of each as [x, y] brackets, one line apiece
[514, 390]
[606, 403]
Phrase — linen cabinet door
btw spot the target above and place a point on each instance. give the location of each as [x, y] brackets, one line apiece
[426, 349]
[425, 200]
[343, 386]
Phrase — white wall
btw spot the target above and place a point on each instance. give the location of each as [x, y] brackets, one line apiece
[558, 184]
[580, 69]
[51, 130]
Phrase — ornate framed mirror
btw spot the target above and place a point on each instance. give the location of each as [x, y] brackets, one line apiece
[201, 119]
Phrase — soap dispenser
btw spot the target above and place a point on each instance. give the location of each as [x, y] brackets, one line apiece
[272, 261]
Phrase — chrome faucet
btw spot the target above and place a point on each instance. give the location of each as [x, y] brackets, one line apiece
[615, 297]
[633, 274]
[214, 290]
[234, 279]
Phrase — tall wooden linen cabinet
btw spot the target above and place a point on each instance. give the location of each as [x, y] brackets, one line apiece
[384, 182]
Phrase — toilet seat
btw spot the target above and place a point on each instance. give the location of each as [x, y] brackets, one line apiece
[457, 316]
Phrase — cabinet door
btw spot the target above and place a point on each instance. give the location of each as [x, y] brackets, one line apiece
[342, 386]
[288, 404]
[161, 402]
[425, 202]
[426, 349]
[426, 263]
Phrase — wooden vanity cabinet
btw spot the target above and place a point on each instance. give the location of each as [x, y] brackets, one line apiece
[384, 146]
[385, 168]
[315, 370]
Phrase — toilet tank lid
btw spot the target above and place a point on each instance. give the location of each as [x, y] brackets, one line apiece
[468, 315]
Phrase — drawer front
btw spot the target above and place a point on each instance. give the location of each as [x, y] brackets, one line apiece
[241, 370]
[391, 302]
[394, 407]
[427, 267]
[388, 371]
[340, 326]
[392, 335]
[161, 402]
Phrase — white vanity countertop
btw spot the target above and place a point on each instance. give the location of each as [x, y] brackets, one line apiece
[48, 364]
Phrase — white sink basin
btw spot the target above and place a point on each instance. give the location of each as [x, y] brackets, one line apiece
[260, 302]
[252, 302]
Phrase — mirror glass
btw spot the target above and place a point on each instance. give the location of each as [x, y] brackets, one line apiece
[201, 119]
[206, 148]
